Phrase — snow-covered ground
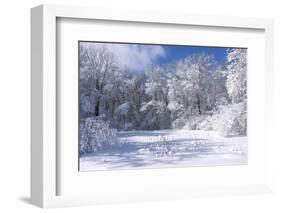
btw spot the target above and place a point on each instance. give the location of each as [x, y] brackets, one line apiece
[168, 148]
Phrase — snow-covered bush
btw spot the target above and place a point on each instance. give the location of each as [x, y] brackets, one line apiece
[163, 147]
[229, 120]
[195, 122]
[121, 115]
[208, 123]
[178, 123]
[95, 135]
[156, 116]
[232, 120]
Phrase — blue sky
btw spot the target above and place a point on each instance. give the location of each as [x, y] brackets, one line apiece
[177, 52]
[138, 57]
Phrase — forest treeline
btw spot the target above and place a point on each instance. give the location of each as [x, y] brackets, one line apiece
[195, 92]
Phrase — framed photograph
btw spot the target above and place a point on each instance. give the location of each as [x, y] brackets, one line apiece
[130, 106]
[155, 106]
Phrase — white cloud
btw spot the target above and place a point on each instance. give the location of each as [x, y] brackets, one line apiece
[133, 56]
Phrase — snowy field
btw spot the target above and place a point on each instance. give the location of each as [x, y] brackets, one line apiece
[168, 148]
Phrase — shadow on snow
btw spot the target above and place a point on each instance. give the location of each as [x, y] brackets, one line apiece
[128, 154]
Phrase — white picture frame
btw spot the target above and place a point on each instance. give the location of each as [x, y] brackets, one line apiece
[44, 155]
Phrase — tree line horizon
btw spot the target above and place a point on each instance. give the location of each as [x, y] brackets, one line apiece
[195, 92]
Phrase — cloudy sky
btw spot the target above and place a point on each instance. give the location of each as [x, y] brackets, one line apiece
[138, 57]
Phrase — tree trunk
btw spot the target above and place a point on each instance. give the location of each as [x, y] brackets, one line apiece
[97, 107]
[199, 104]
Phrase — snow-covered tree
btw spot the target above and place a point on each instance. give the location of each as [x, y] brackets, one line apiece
[97, 64]
[156, 112]
[230, 117]
[193, 87]
[236, 82]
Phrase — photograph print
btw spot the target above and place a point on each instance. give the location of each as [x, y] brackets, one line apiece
[161, 106]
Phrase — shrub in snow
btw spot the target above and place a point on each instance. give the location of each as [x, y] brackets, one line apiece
[179, 123]
[163, 147]
[122, 110]
[228, 120]
[95, 135]
[194, 122]
[232, 120]
[121, 115]
[156, 116]
[208, 123]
